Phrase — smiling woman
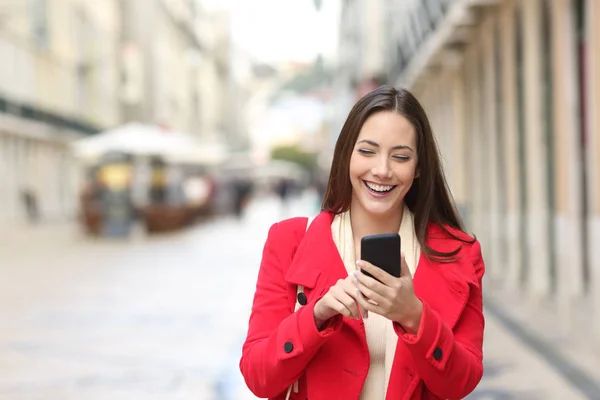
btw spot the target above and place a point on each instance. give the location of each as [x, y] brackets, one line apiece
[383, 167]
[389, 133]
[320, 328]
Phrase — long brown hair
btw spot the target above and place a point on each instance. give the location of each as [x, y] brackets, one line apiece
[429, 197]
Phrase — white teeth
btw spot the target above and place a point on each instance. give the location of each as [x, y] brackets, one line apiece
[379, 188]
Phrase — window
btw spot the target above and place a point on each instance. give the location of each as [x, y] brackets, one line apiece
[39, 28]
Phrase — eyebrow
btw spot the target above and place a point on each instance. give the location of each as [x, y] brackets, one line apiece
[400, 147]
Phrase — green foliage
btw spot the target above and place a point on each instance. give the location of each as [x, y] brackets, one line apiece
[296, 155]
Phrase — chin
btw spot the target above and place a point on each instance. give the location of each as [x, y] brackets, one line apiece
[378, 212]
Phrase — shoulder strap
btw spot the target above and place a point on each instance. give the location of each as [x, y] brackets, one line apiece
[299, 289]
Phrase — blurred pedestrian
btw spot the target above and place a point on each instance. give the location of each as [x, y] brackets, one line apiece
[158, 181]
[284, 187]
[30, 202]
[242, 189]
[353, 336]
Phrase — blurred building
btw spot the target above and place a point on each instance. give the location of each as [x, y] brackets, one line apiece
[58, 81]
[513, 92]
[73, 68]
[362, 60]
[161, 65]
[215, 76]
[182, 73]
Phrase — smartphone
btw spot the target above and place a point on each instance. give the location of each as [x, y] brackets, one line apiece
[382, 251]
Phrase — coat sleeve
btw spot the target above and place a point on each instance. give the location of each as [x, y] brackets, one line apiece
[279, 344]
[451, 362]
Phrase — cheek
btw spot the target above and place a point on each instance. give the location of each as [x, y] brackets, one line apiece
[407, 173]
[356, 168]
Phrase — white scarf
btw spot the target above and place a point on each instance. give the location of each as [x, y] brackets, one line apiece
[343, 237]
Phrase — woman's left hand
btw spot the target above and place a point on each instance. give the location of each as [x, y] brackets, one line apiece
[391, 297]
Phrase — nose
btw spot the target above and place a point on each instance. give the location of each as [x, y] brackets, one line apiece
[382, 169]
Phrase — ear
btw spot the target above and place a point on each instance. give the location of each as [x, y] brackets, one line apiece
[417, 173]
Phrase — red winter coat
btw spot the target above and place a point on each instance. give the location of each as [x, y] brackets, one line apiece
[443, 361]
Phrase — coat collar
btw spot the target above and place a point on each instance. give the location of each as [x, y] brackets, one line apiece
[445, 286]
[316, 254]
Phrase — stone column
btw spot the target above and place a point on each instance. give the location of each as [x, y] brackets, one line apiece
[593, 159]
[537, 203]
[568, 190]
[510, 136]
[490, 181]
[458, 179]
[480, 153]
[474, 146]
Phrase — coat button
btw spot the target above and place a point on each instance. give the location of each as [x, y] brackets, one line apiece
[301, 299]
[288, 347]
[438, 353]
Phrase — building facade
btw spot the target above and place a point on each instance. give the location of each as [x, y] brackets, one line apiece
[361, 56]
[73, 68]
[513, 91]
[58, 80]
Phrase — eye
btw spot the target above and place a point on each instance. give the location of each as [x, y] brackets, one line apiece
[366, 151]
[401, 158]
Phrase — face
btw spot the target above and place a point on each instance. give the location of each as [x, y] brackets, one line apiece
[383, 164]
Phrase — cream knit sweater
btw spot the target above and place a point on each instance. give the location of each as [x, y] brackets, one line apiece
[381, 337]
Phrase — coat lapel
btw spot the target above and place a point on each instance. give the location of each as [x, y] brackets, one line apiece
[316, 255]
[317, 264]
[444, 286]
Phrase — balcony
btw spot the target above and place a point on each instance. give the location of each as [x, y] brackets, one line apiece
[434, 32]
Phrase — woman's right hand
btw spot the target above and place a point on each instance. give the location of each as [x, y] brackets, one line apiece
[340, 299]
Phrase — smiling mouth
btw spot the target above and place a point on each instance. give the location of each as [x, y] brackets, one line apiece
[380, 189]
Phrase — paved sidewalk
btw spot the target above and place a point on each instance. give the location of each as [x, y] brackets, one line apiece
[515, 371]
[70, 309]
[569, 352]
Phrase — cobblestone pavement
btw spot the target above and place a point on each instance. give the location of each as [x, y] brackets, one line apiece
[164, 317]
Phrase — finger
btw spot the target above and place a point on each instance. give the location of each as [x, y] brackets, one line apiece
[372, 284]
[351, 290]
[356, 294]
[404, 270]
[364, 313]
[339, 307]
[376, 272]
[370, 294]
[349, 303]
[365, 304]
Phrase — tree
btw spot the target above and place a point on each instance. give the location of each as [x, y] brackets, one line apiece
[296, 155]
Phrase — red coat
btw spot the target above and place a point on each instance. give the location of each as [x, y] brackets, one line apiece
[443, 361]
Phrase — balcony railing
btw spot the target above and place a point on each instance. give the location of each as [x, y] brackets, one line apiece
[418, 23]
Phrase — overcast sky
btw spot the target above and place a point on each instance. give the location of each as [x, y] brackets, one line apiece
[282, 30]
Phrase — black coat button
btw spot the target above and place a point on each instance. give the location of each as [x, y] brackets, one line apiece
[302, 299]
[288, 347]
[438, 353]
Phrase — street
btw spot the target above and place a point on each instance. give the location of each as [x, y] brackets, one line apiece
[164, 317]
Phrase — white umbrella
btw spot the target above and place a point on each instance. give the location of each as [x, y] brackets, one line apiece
[133, 138]
[147, 140]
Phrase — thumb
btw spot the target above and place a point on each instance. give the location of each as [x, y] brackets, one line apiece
[404, 270]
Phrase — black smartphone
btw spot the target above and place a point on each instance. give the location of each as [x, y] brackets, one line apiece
[383, 251]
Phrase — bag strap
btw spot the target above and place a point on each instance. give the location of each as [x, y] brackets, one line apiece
[299, 289]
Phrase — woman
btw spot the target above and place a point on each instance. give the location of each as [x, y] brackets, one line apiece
[356, 337]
